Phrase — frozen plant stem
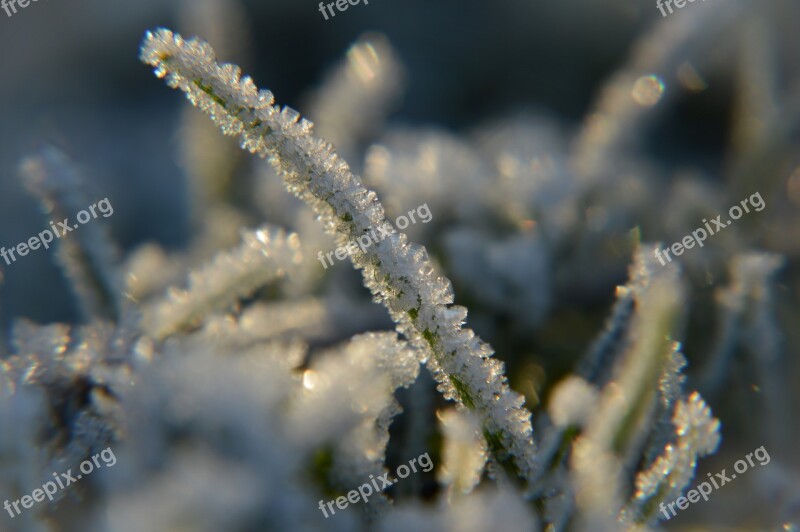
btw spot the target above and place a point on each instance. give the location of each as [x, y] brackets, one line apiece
[264, 255]
[87, 256]
[398, 274]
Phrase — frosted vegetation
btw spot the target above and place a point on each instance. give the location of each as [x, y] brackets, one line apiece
[239, 383]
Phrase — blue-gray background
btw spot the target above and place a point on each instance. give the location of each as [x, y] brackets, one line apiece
[70, 76]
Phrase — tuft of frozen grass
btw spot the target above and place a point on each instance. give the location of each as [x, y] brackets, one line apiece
[239, 385]
[611, 439]
[605, 431]
[399, 274]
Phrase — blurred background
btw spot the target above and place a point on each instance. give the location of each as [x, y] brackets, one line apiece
[725, 126]
[71, 76]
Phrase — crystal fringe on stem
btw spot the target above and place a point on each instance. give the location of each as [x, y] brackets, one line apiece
[399, 274]
[265, 254]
